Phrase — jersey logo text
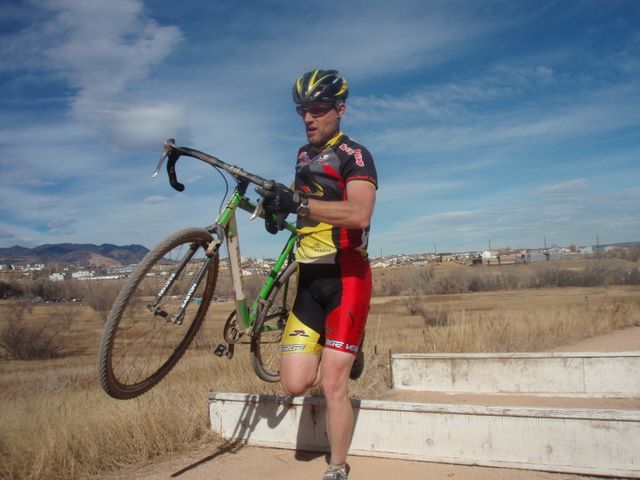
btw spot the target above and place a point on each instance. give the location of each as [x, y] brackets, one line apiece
[357, 153]
[292, 348]
[334, 343]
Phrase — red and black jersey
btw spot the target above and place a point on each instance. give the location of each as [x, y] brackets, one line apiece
[324, 176]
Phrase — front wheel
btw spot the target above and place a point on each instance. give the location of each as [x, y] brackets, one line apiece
[270, 323]
[157, 313]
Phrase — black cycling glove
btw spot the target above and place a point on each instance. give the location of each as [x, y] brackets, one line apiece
[280, 199]
[272, 224]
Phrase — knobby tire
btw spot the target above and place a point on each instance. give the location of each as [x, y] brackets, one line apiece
[269, 326]
[139, 346]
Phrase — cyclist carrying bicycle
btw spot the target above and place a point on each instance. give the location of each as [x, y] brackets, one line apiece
[334, 195]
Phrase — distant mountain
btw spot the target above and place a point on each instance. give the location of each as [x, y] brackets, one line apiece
[105, 255]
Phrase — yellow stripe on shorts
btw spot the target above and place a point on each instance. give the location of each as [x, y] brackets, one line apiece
[299, 338]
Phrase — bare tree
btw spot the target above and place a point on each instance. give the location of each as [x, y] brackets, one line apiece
[10, 290]
[27, 342]
[100, 296]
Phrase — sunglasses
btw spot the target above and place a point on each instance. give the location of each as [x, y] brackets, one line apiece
[315, 110]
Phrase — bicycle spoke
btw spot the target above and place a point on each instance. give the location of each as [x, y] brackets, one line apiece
[144, 343]
[133, 361]
[270, 326]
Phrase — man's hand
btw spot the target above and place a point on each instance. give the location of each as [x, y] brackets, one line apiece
[273, 225]
[280, 199]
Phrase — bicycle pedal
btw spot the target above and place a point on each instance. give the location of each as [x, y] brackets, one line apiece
[223, 350]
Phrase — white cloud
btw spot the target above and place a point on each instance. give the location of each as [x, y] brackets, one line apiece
[373, 40]
[4, 235]
[11, 235]
[101, 49]
[103, 46]
[544, 71]
[133, 125]
[155, 199]
[61, 226]
[43, 155]
[569, 187]
[451, 101]
[515, 128]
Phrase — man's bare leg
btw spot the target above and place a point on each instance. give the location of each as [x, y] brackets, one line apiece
[299, 372]
[335, 367]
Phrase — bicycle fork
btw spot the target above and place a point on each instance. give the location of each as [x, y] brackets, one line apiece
[178, 316]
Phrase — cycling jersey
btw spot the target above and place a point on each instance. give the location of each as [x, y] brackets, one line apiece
[323, 174]
[334, 276]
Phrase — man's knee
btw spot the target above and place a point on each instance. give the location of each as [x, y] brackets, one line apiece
[293, 387]
[335, 388]
[335, 375]
[298, 373]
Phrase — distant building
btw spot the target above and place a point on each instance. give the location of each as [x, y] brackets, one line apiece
[120, 270]
[489, 258]
[83, 274]
[36, 267]
[380, 265]
[56, 277]
[507, 258]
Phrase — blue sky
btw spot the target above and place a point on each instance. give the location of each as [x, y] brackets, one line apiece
[503, 121]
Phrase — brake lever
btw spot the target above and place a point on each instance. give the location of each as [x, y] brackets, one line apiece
[268, 185]
[157, 170]
[169, 143]
[259, 209]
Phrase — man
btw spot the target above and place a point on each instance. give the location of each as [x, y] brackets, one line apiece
[333, 197]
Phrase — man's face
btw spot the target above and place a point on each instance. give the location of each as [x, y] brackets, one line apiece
[321, 121]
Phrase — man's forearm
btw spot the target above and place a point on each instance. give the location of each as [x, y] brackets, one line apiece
[345, 214]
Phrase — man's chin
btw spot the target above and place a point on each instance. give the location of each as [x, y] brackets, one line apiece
[314, 141]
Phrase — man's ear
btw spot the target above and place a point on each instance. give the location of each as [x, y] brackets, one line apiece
[341, 109]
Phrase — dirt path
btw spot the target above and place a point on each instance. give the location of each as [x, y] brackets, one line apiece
[249, 463]
[627, 339]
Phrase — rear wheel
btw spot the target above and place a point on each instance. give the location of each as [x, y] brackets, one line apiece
[157, 314]
[270, 323]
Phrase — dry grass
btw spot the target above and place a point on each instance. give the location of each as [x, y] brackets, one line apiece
[73, 430]
[451, 277]
[58, 424]
[524, 320]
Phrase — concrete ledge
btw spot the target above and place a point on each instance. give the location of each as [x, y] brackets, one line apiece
[581, 374]
[584, 441]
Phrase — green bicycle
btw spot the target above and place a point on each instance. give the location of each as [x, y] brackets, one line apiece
[164, 301]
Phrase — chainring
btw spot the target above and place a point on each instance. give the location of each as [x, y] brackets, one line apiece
[231, 333]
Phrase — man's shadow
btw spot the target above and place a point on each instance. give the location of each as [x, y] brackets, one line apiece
[257, 408]
[311, 440]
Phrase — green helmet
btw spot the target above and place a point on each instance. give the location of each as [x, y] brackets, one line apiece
[320, 85]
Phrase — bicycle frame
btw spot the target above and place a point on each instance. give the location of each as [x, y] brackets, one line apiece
[225, 229]
[227, 222]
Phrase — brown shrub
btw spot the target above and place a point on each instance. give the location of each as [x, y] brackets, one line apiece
[437, 279]
[10, 290]
[100, 296]
[22, 341]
